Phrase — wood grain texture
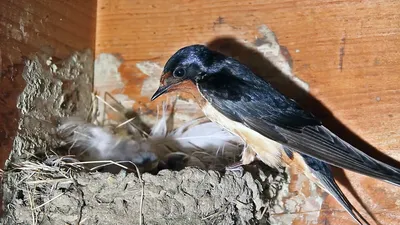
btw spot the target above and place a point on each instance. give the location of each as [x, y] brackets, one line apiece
[347, 51]
[28, 26]
[31, 25]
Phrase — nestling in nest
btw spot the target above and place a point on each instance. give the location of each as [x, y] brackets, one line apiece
[118, 143]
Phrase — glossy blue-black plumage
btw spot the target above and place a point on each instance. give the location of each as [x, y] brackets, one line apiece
[235, 91]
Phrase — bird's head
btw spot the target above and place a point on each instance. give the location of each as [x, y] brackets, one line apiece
[186, 67]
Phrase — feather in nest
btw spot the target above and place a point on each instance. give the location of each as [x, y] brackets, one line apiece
[198, 143]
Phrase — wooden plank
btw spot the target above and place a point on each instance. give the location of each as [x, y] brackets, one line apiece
[347, 51]
[30, 25]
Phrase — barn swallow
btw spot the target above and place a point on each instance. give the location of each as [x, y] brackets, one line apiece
[274, 127]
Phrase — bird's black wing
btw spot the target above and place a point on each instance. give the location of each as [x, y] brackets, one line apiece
[253, 102]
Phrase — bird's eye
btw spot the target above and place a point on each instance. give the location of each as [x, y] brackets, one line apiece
[179, 72]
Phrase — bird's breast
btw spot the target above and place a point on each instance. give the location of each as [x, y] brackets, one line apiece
[267, 150]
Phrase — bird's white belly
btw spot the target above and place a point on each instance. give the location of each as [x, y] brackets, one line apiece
[267, 150]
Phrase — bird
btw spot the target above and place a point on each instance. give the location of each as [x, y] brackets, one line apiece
[274, 127]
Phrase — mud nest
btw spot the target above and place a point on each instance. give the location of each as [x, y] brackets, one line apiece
[38, 192]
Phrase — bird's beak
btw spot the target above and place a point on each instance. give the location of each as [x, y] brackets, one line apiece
[160, 91]
[163, 87]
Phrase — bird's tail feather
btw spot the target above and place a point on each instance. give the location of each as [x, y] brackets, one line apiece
[325, 178]
[330, 186]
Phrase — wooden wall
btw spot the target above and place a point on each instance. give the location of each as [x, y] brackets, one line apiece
[347, 51]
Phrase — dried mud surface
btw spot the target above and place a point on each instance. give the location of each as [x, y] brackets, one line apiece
[190, 196]
[43, 194]
[54, 89]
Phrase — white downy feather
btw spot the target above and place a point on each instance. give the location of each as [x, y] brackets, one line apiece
[160, 128]
[198, 143]
[95, 143]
